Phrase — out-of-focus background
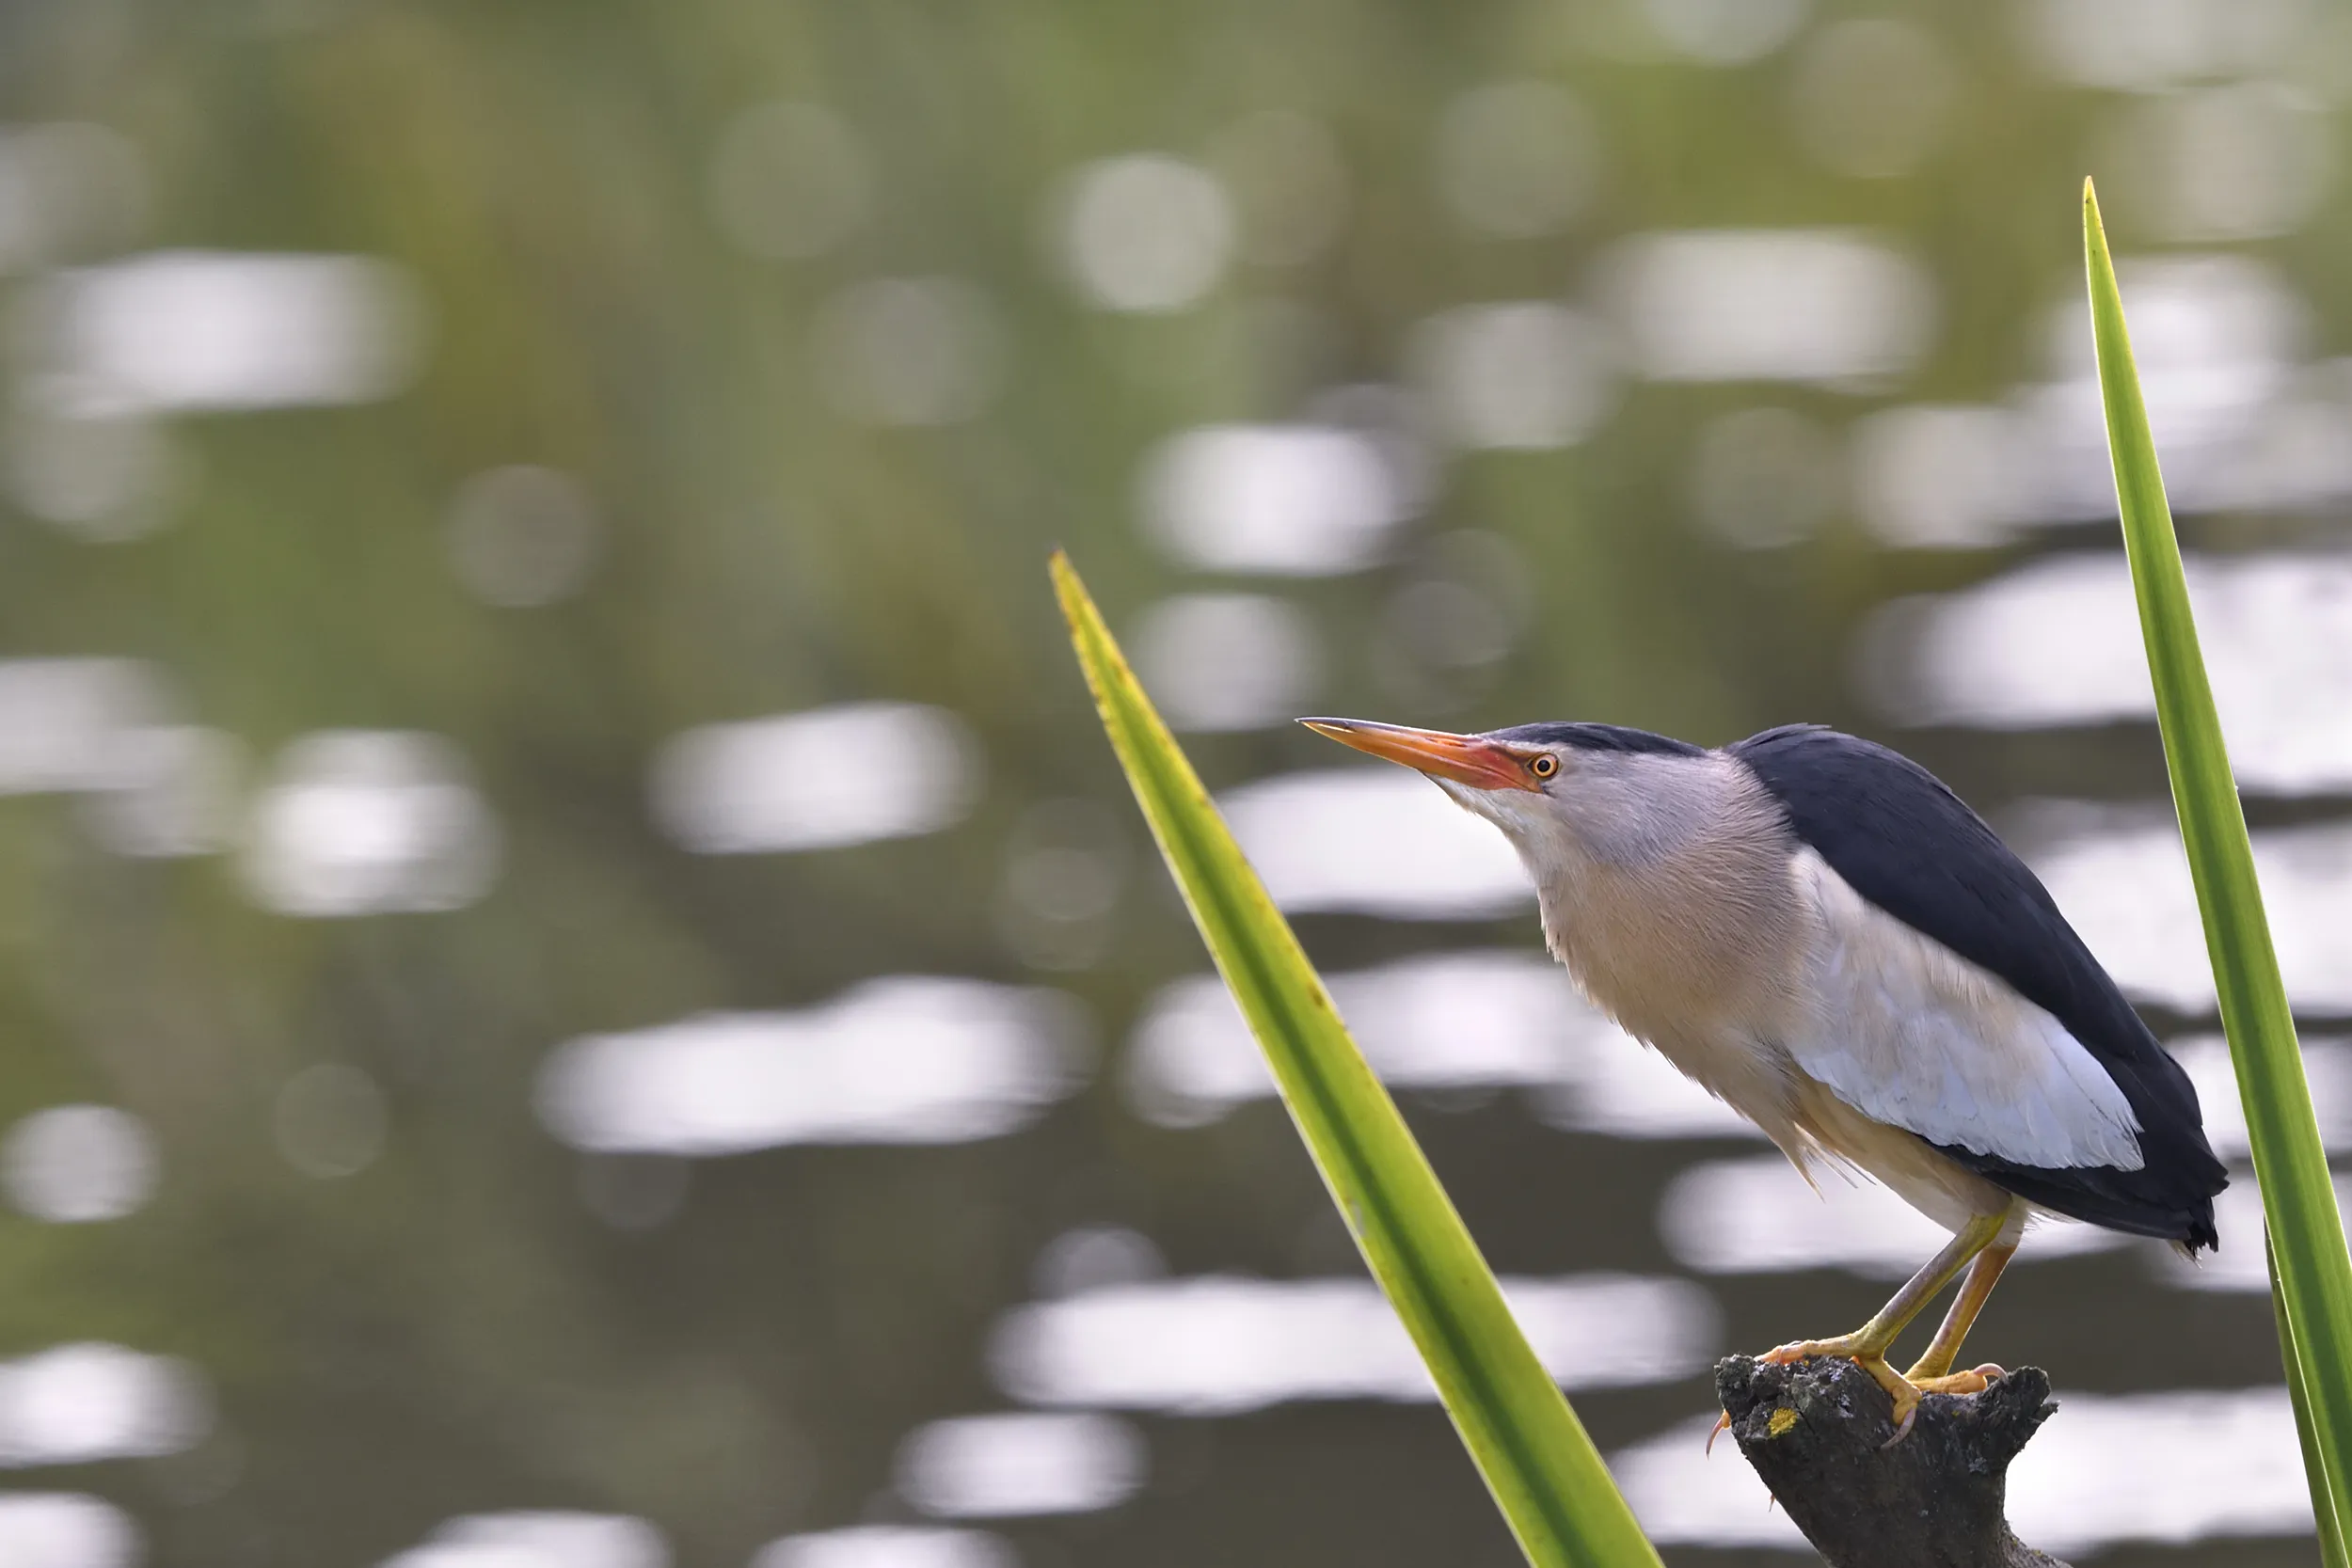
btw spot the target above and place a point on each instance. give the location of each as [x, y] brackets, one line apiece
[578, 988]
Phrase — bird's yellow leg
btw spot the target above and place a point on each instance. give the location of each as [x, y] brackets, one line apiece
[1932, 1372]
[1867, 1346]
[1874, 1338]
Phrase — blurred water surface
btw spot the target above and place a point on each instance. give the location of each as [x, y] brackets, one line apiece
[579, 988]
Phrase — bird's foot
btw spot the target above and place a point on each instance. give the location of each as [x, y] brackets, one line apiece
[1922, 1383]
[1905, 1391]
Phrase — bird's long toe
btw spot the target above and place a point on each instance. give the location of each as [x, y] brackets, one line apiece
[1847, 1345]
[1976, 1380]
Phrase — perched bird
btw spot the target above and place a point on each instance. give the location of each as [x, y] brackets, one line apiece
[1826, 938]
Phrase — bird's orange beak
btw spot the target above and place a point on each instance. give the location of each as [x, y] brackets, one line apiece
[1464, 758]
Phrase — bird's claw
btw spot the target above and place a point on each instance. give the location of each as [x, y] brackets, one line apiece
[1906, 1411]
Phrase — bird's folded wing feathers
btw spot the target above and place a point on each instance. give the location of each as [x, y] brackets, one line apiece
[1915, 854]
[1909, 1033]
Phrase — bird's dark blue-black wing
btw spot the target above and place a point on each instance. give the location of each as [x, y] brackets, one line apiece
[1910, 846]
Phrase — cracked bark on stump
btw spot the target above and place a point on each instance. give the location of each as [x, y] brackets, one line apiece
[1813, 1432]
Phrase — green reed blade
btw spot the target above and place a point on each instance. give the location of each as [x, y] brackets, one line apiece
[1544, 1471]
[2312, 1269]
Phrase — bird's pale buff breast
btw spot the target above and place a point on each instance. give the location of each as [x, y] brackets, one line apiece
[1671, 905]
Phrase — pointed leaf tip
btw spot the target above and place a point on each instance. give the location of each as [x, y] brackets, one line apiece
[1067, 583]
[2096, 243]
[1077, 606]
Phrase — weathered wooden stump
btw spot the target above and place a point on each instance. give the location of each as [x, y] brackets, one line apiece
[1815, 1431]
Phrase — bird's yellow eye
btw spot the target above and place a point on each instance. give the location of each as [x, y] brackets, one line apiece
[1544, 766]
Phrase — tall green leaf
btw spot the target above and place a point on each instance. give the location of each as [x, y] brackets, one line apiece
[1527, 1443]
[2306, 1234]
